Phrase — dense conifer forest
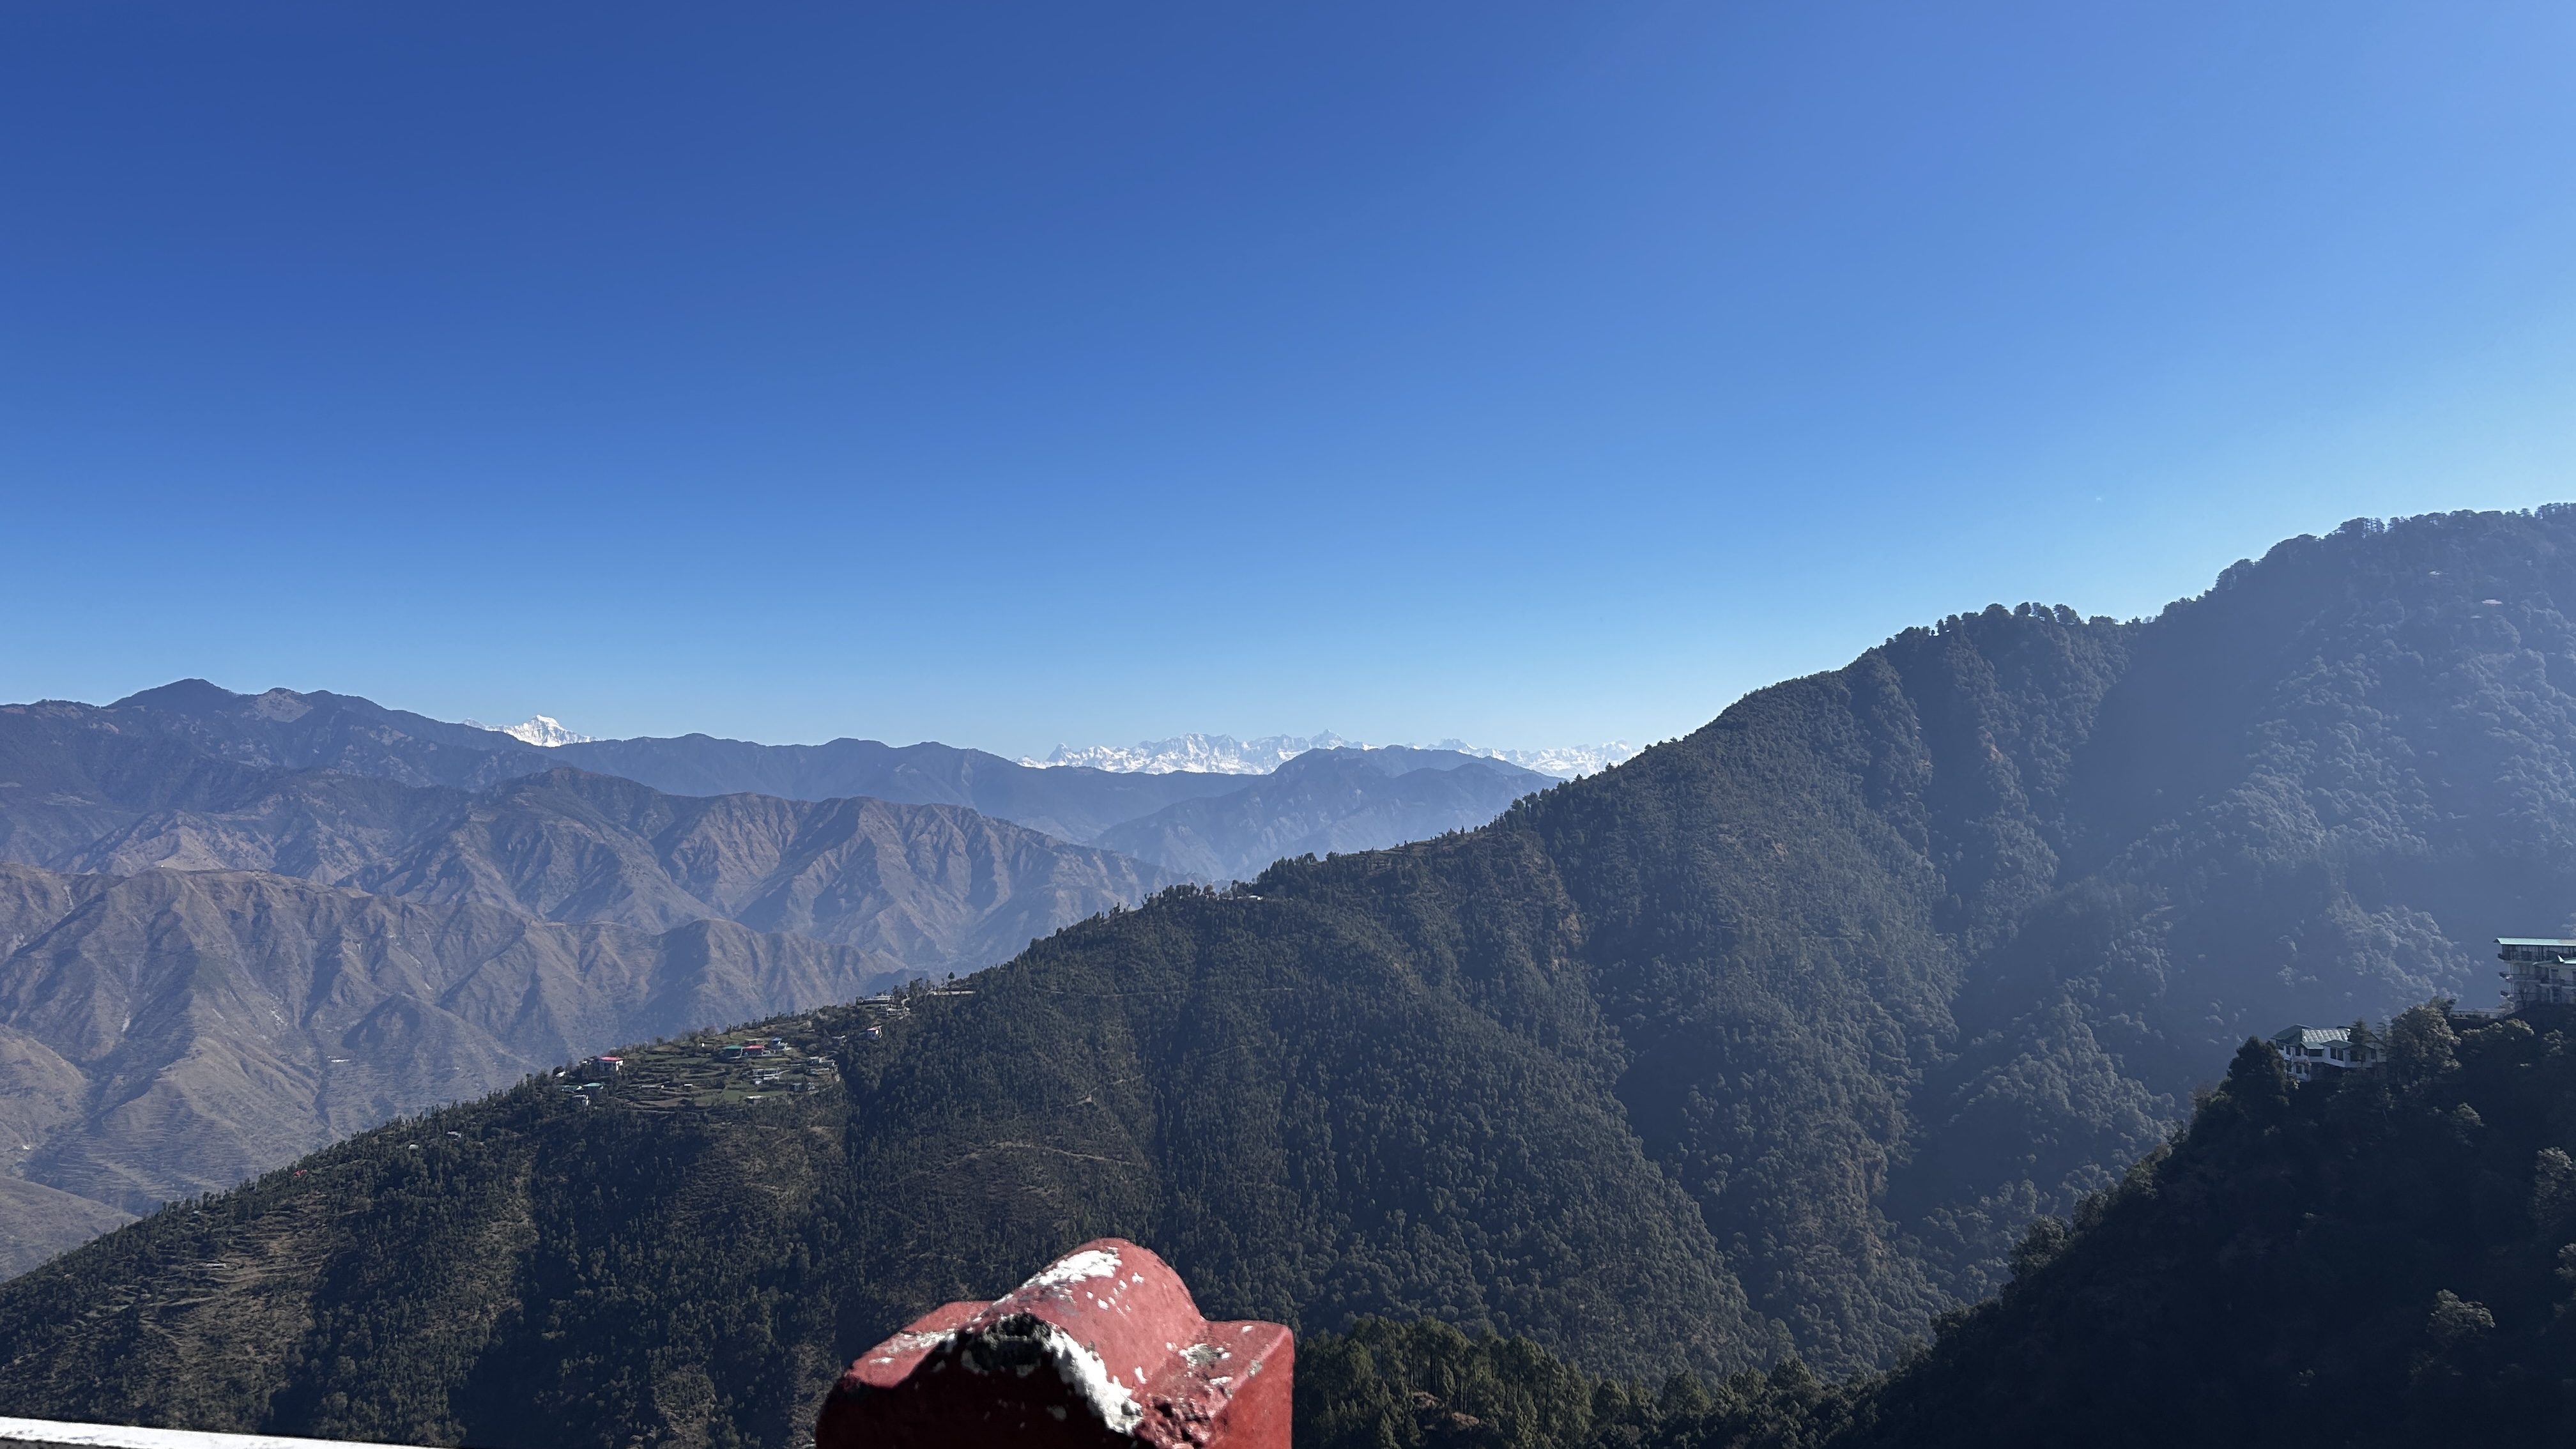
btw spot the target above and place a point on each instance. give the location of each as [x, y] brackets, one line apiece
[1751, 1061]
[2385, 1258]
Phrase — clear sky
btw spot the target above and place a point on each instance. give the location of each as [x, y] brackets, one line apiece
[1088, 371]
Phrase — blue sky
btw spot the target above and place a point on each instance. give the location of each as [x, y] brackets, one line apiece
[1015, 374]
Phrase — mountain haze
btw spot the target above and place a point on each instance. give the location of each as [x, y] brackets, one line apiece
[283, 729]
[1219, 754]
[1224, 754]
[320, 731]
[931, 886]
[1322, 802]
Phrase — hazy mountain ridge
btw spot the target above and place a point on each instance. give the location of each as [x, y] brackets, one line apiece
[169, 1032]
[1221, 754]
[1093, 807]
[1074, 805]
[1224, 754]
[1322, 802]
[1563, 762]
[289, 731]
[935, 886]
[318, 730]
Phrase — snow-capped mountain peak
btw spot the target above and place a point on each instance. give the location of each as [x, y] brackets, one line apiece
[544, 731]
[1563, 761]
[1211, 754]
[1226, 755]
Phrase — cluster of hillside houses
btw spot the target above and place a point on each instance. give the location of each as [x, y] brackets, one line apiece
[2540, 971]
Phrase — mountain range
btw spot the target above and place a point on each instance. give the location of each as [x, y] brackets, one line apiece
[929, 887]
[1323, 802]
[1776, 1040]
[283, 729]
[334, 791]
[1219, 754]
[1226, 755]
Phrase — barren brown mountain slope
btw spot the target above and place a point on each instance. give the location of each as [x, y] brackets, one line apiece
[177, 1009]
[170, 1032]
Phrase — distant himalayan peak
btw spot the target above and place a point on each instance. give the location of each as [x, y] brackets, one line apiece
[1226, 755]
[1563, 761]
[1207, 754]
[543, 731]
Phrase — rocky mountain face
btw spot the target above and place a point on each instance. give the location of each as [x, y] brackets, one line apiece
[168, 1033]
[1323, 802]
[1775, 1039]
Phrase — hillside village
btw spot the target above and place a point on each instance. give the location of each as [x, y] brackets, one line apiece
[785, 1057]
[2541, 975]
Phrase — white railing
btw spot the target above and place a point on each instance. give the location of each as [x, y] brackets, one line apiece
[49, 1434]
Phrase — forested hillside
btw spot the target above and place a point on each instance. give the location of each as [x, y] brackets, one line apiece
[2379, 1259]
[1773, 1040]
[2388, 1259]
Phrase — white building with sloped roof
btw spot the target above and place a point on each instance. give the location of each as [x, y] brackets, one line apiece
[2313, 1051]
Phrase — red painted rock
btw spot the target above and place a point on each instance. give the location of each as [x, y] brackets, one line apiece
[1104, 1347]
